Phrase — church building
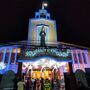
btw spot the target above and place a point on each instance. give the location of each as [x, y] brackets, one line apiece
[42, 55]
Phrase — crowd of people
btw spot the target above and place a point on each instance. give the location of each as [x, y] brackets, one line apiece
[28, 83]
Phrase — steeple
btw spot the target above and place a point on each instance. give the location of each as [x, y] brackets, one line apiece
[42, 13]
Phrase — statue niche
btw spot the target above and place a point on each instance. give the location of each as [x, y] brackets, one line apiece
[42, 36]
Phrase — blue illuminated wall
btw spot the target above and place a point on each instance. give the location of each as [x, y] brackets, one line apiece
[35, 28]
[8, 56]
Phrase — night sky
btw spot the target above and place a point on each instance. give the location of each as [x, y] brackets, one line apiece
[72, 18]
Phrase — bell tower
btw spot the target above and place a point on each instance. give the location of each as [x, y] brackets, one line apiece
[42, 19]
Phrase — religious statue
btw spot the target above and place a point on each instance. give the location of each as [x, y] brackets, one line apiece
[42, 35]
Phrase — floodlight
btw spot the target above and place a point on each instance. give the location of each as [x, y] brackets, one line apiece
[44, 5]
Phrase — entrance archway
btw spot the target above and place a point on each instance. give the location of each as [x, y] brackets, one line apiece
[45, 68]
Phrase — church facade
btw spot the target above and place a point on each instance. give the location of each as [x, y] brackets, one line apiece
[42, 54]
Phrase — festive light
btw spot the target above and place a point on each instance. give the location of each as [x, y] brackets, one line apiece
[44, 5]
[2, 65]
[49, 51]
[45, 62]
[66, 68]
[23, 68]
[30, 67]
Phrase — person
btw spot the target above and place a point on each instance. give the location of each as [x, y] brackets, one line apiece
[56, 85]
[47, 85]
[34, 85]
[42, 84]
[27, 84]
[15, 80]
[38, 84]
[20, 84]
[81, 86]
[33, 80]
[52, 82]
[31, 84]
[42, 35]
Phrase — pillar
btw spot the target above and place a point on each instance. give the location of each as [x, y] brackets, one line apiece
[4, 54]
[82, 60]
[15, 55]
[86, 56]
[72, 60]
[20, 69]
[70, 68]
[9, 59]
[77, 59]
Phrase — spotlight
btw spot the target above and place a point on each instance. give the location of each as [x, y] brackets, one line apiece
[44, 5]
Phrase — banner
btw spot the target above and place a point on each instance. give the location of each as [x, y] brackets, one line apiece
[58, 54]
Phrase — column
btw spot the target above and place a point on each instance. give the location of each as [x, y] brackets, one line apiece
[72, 60]
[62, 78]
[15, 55]
[70, 68]
[77, 59]
[82, 59]
[20, 69]
[9, 59]
[4, 54]
[86, 56]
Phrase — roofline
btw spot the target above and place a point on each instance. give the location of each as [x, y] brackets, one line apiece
[16, 42]
[73, 45]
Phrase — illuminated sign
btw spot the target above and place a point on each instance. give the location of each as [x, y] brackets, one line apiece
[47, 51]
[59, 54]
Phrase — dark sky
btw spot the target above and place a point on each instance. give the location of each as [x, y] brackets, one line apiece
[72, 18]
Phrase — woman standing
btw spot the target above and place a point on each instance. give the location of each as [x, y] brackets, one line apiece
[20, 84]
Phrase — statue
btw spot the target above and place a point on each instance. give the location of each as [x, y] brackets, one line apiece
[42, 35]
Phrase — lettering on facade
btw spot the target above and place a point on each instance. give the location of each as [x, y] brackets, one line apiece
[56, 52]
